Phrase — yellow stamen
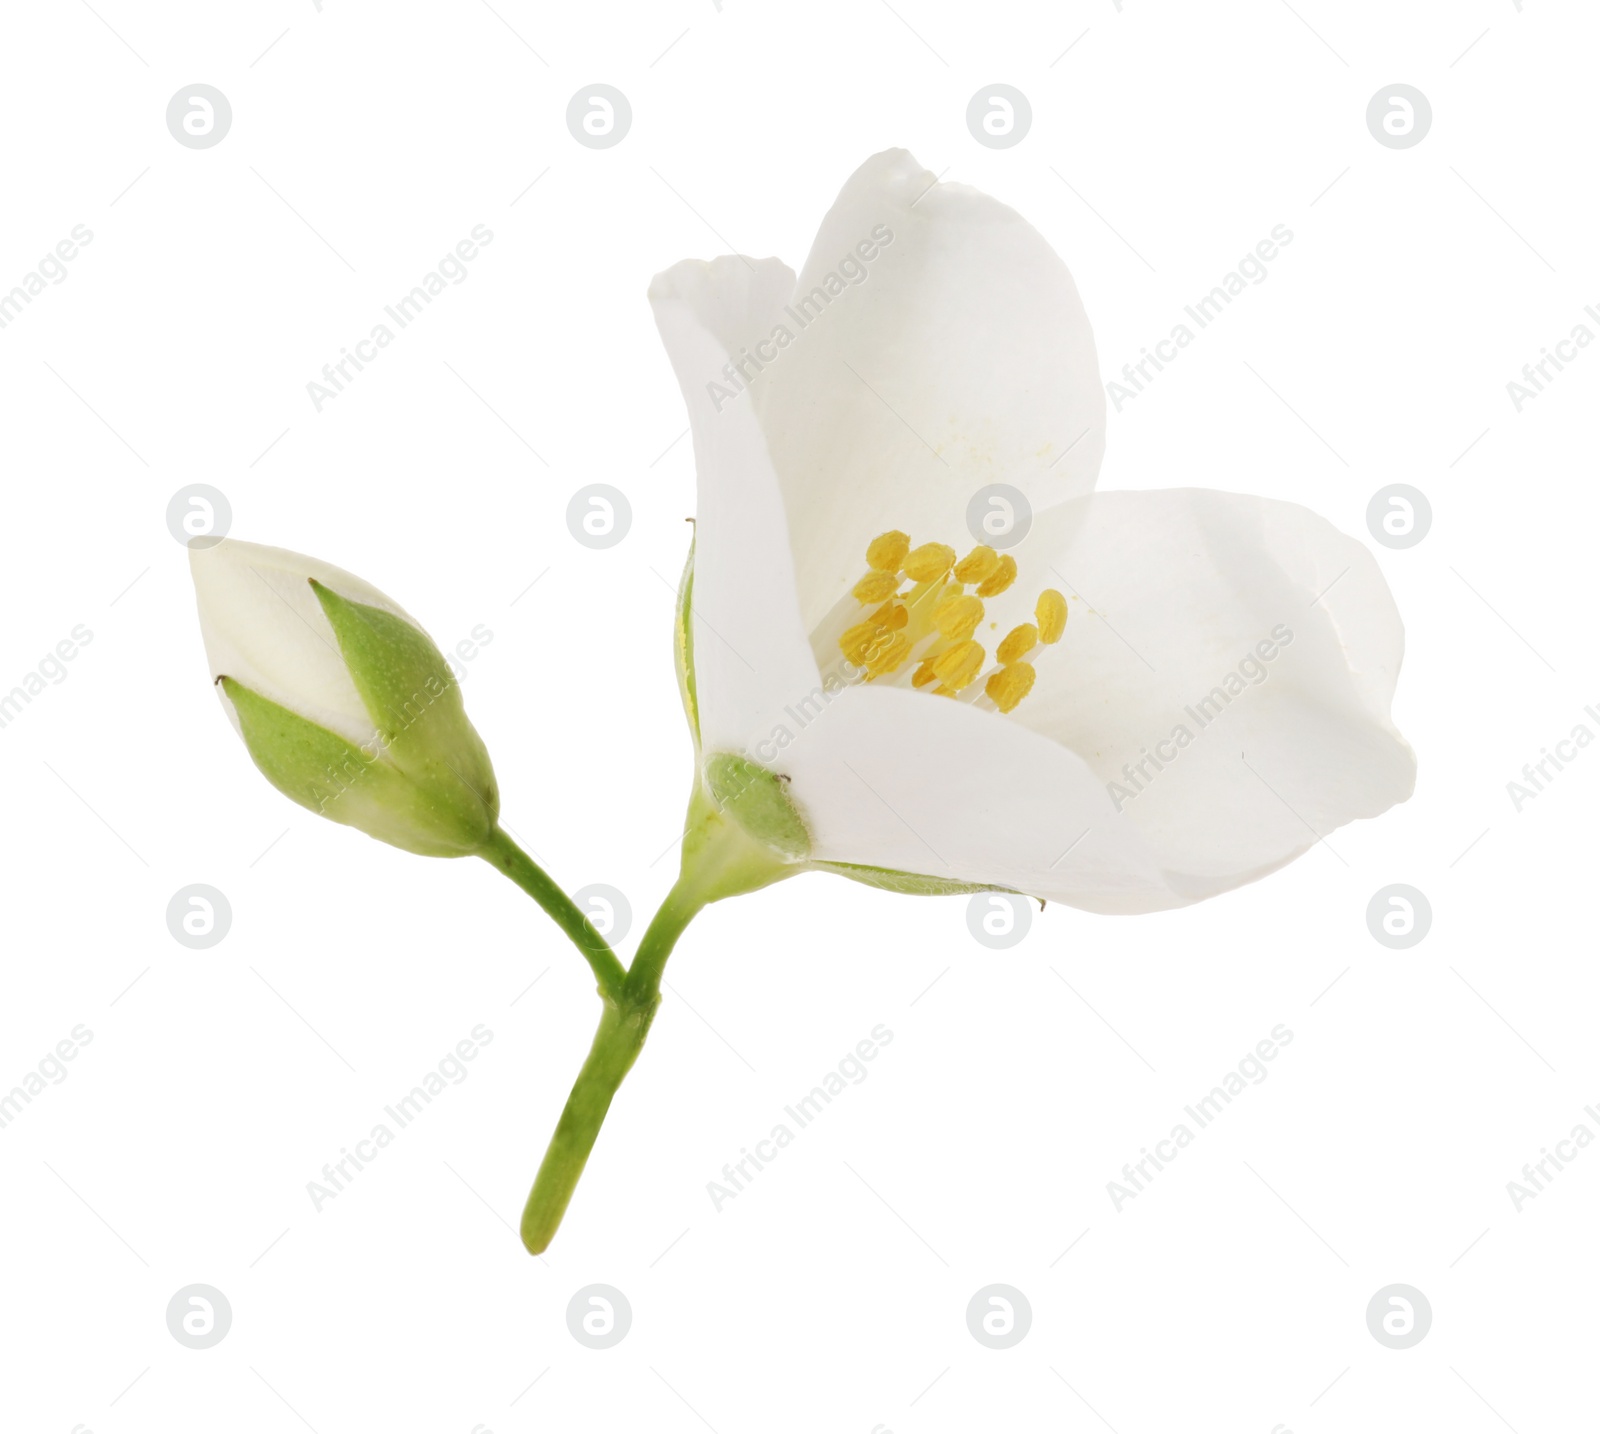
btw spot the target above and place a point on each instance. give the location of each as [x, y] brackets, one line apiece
[1051, 613]
[875, 587]
[923, 601]
[886, 654]
[854, 641]
[1001, 578]
[1010, 685]
[1018, 643]
[888, 551]
[958, 616]
[892, 615]
[978, 564]
[930, 561]
[958, 666]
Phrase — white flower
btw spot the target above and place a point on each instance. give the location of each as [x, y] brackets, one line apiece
[1219, 697]
[343, 700]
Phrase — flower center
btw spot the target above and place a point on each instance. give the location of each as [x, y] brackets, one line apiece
[933, 621]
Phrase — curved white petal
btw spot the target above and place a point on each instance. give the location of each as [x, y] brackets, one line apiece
[1226, 671]
[956, 356]
[263, 627]
[953, 355]
[751, 655]
[892, 778]
[1253, 628]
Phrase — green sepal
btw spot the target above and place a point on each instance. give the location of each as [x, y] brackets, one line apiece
[354, 786]
[758, 800]
[683, 648]
[906, 883]
[415, 703]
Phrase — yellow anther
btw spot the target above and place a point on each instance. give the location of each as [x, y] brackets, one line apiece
[888, 652]
[892, 615]
[1010, 685]
[875, 587]
[1017, 644]
[855, 641]
[858, 643]
[888, 551]
[930, 561]
[1051, 614]
[943, 608]
[1004, 574]
[956, 667]
[978, 564]
[958, 616]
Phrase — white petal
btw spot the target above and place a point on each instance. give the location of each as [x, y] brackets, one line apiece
[899, 779]
[751, 655]
[1255, 628]
[1186, 587]
[264, 627]
[962, 358]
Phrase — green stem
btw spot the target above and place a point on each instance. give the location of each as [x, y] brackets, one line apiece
[623, 1026]
[506, 856]
[718, 860]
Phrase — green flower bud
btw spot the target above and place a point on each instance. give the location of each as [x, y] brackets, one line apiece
[343, 700]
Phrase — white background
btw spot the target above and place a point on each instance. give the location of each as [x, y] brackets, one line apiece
[831, 1294]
